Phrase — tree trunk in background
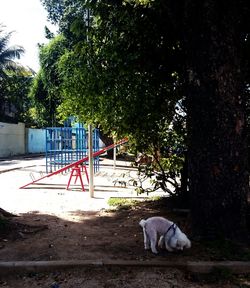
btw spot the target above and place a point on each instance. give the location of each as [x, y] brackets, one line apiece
[107, 141]
[216, 121]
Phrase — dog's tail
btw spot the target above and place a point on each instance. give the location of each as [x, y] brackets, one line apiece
[142, 223]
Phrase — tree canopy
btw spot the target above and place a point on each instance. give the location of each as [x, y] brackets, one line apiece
[119, 71]
[45, 91]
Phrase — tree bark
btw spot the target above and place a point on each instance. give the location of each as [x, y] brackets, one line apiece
[107, 140]
[216, 120]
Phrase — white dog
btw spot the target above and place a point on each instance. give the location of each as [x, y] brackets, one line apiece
[169, 233]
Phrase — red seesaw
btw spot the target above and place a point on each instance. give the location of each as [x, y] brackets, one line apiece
[79, 162]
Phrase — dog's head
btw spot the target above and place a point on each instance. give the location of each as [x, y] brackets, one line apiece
[182, 242]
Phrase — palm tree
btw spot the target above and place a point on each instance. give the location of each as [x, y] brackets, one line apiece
[8, 67]
[8, 54]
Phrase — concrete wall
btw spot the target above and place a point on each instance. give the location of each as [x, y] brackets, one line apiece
[15, 139]
[12, 139]
[36, 140]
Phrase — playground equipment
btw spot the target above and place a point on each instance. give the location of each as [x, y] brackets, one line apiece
[77, 163]
[77, 172]
[68, 144]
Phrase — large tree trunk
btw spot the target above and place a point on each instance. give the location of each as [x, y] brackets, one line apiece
[216, 121]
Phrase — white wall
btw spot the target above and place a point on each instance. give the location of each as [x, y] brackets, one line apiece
[12, 139]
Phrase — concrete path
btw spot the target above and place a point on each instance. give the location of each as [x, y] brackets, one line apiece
[199, 267]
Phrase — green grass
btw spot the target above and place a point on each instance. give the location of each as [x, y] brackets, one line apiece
[119, 203]
[122, 203]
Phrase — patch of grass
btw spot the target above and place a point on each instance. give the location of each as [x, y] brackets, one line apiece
[122, 203]
[156, 198]
[127, 203]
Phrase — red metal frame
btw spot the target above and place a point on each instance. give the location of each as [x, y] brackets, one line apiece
[77, 172]
[95, 154]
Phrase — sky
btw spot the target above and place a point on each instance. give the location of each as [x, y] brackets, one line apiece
[27, 19]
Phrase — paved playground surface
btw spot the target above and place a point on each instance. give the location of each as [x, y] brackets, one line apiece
[50, 195]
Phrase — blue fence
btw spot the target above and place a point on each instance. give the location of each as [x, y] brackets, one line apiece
[65, 145]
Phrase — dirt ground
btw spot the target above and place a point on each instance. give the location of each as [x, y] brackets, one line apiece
[101, 235]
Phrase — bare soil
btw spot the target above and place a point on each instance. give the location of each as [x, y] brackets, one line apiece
[97, 236]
